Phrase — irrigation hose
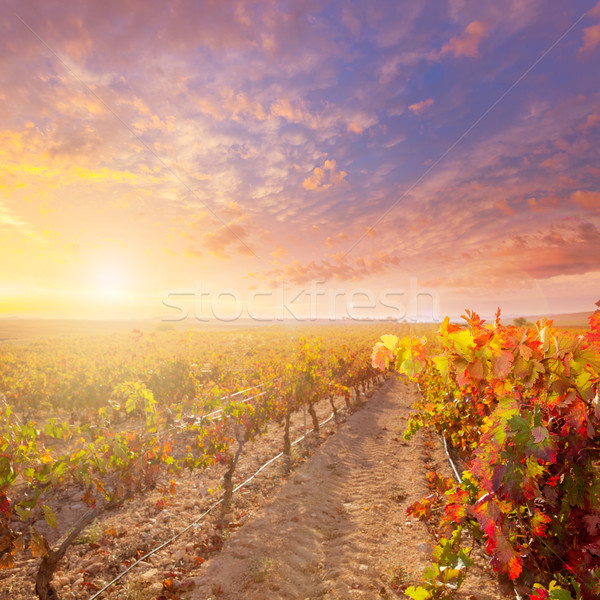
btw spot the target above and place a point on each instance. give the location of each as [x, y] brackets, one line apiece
[459, 478]
[198, 519]
[456, 474]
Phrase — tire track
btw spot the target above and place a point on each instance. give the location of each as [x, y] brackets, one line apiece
[337, 528]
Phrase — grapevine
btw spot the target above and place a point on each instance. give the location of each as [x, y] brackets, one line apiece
[520, 407]
[119, 418]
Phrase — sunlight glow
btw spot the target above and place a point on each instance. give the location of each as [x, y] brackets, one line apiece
[110, 282]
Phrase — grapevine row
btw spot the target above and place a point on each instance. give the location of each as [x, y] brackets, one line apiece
[136, 436]
[521, 411]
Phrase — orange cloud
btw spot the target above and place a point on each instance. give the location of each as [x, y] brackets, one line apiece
[354, 127]
[572, 252]
[341, 267]
[542, 204]
[193, 253]
[278, 252]
[217, 238]
[147, 120]
[554, 239]
[325, 177]
[591, 35]
[422, 106]
[591, 121]
[240, 106]
[233, 209]
[225, 239]
[358, 122]
[466, 44]
[209, 107]
[330, 242]
[587, 199]
[591, 38]
[505, 208]
[293, 113]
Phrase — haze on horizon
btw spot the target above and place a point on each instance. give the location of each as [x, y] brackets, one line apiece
[151, 148]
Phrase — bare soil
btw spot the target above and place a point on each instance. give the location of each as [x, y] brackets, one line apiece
[335, 528]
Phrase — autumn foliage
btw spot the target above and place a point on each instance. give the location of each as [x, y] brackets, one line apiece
[108, 418]
[520, 408]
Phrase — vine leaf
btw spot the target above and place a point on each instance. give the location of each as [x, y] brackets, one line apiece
[49, 516]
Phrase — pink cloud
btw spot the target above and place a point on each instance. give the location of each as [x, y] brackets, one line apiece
[543, 203]
[466, 44]
[325, 177]
[592, 121]
[193, 253]
[591, 35]
[570, 252]
[278, 252]
[505, 208]
[340, 267]
[225, 240]
[232, 209]
[330, 242]
[591, 38]
[420, 107]
[587, 199]
[554, 254]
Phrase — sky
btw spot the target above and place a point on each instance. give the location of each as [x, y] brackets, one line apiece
[299, 159]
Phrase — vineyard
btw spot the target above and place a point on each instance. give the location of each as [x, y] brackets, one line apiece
[112, 420]
[160, 429]
[518, 410]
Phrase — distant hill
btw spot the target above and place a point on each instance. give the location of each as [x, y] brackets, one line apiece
[578, 319]
[17, 329]
[27, 329]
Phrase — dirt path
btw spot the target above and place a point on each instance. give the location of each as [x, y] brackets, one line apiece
[337, 528]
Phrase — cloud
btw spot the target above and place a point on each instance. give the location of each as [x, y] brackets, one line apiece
[504, 207]
[591, 35]
[240, 106]
[562, 258]
[554, 239]
[279, 252]
[359, 122]
[521, 262]
[340, 267]
[420, 107]
[588, 199]
[232, 209]
[326, 177]
[9, 219]
[544, 203]
[466, 44]
[247, 105]
[330, 242]
[193, 253]
[591, 38]
[205, 234]
[293, 112]
[227, 239]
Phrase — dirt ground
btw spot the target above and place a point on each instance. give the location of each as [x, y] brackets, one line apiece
[335, 528]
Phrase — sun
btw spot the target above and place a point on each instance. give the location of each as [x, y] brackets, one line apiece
[110, 282]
